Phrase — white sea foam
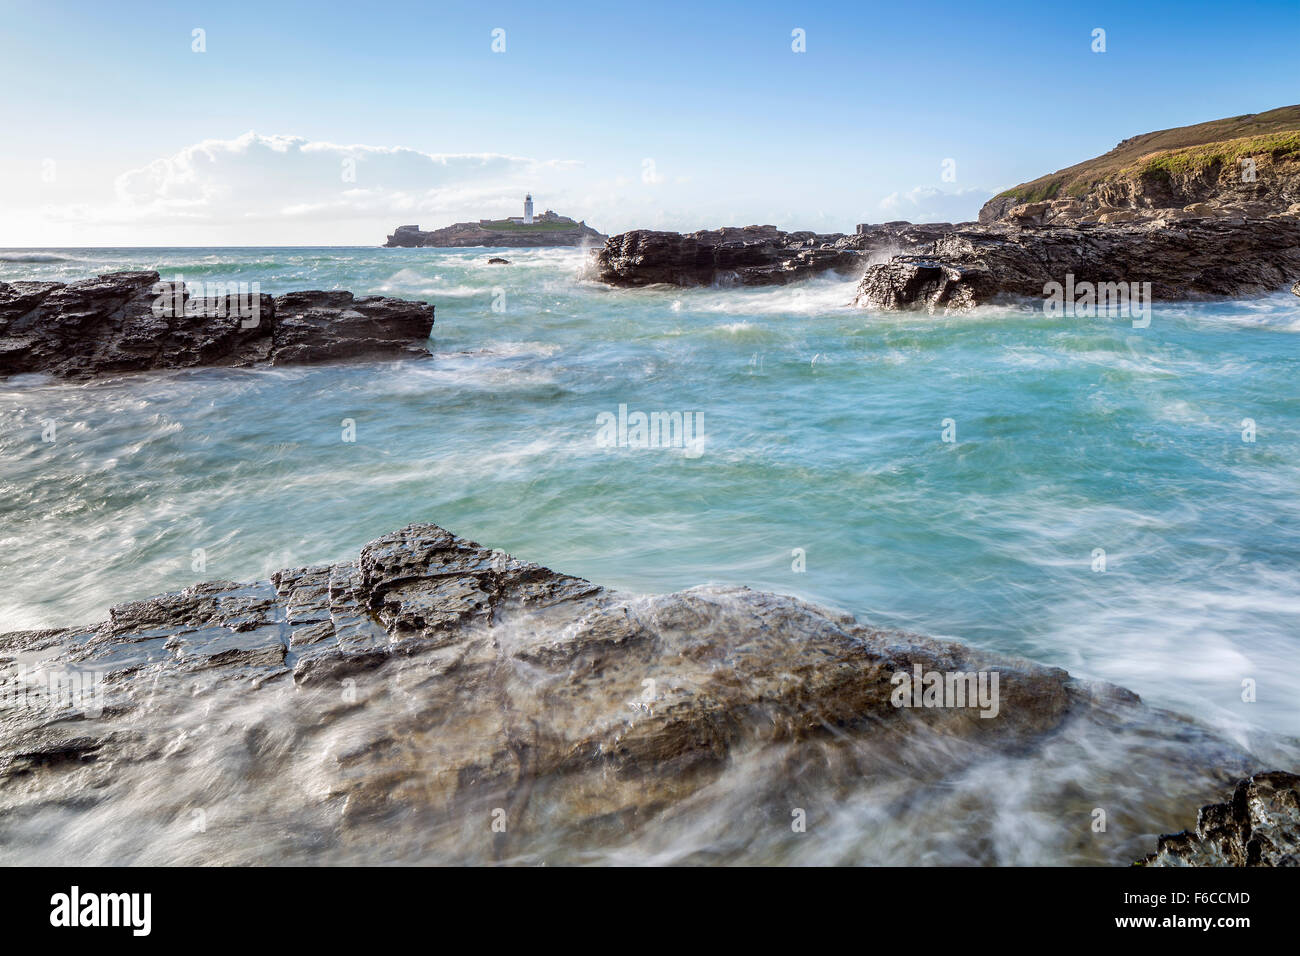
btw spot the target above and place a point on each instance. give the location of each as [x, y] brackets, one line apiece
[34, 257]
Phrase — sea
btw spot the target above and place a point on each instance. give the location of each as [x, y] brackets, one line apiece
[1119, 501]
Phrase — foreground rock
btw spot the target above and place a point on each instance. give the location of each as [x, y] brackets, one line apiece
[1259, 826]
[750, 255]
[1185, 259]
[130, 321]
[435, 700]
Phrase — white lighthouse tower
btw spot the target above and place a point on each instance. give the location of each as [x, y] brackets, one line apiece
[528, 209]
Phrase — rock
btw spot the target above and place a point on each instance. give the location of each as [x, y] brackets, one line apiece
[130, 321]
[1259, 826]
[498, 261]
[749, 255]
[398, 706]
[1183, 259]
[1029, 213]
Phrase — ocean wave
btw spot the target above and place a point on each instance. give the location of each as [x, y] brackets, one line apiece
[34, 257]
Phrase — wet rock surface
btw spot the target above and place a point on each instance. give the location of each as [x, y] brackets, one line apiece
[1258, 826]
[1183, 260]
[129, 321]
[435, 700]
[749, 255]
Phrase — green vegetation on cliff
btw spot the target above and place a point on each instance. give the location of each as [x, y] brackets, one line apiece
[1195, 159]
[505, 225]
[1183, 149]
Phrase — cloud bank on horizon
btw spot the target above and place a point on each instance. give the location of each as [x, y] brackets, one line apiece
[259, 189]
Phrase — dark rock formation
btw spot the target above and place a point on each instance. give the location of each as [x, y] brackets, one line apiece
[130, 321]
[399, 706]
[1259, 826]
[1187, 259]
[749, 255]
[498, 261]
[555, 231]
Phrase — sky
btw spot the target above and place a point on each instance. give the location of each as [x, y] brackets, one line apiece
[331, 123]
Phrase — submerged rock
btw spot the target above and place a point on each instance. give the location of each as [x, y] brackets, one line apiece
[130, 321]
[1259, 826]
[434, 700]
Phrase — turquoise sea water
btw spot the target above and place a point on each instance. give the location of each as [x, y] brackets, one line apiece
[822, 431]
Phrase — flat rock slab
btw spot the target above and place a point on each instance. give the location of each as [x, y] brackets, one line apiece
[131, 321]
[437, 701]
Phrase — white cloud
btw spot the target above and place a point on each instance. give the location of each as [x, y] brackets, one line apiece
[301, 191]
[930, 204]
[259, 189]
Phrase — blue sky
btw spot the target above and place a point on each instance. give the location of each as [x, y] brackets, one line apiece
[117, 132]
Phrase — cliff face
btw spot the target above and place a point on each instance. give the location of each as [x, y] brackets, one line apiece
[558, 232]
[130, 322]
[1245, 166]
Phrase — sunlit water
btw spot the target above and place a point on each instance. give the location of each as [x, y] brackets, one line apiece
[822, 431]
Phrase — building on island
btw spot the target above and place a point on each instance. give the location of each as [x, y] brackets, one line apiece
[527, 218]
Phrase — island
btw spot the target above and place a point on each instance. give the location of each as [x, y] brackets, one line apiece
[548, 229]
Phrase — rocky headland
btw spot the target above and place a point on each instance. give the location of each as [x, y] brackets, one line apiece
[1198, 212]
[435, 700]
[1243, 167]
[130, 322]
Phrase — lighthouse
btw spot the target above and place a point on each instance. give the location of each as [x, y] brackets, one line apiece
[528, 209]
